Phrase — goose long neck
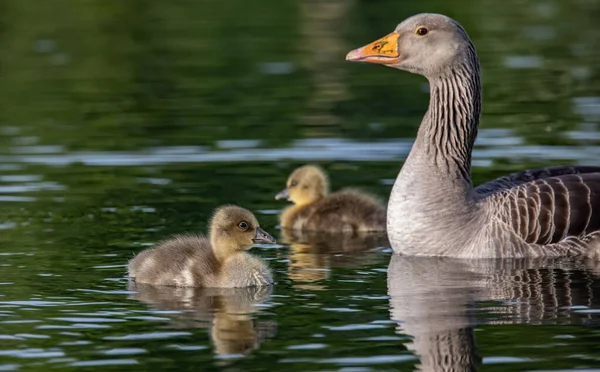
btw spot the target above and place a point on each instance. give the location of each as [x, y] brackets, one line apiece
[449, 127]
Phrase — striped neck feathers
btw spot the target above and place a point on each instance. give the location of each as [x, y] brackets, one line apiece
[449, 128]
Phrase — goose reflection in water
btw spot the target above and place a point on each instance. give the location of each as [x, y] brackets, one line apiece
[313, 254]
[433, 300]
[227, 312]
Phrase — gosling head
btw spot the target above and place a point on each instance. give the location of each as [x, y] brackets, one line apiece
[425, 44]
[305, 185]
[234, 229]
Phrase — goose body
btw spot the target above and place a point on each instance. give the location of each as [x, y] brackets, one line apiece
[433, 208]
[315, 209]
[219, 260]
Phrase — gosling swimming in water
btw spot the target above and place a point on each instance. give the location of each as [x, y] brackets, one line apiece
[219, 260]
[314, 209]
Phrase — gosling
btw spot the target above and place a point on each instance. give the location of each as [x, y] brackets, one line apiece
[314, 209]
[219, 260]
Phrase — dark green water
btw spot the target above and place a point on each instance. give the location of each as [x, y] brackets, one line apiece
[122, 122]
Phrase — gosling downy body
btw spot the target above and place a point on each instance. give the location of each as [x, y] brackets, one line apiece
[219, 260]
[433, 209]
[314, 209]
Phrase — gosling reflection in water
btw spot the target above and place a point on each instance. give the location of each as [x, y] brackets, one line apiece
[313, 254]
[433, 301]
[227, 312]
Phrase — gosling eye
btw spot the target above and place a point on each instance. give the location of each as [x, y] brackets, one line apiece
[243, 225]
[294, 183]
[421, 31]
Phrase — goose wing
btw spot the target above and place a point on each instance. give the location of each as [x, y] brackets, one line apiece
[519, 178]
[548, 210]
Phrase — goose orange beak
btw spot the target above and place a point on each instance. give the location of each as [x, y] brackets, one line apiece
[383, 51]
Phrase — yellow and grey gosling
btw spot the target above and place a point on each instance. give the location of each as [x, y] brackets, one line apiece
[219, 260]
[433, 209]
[315, 209]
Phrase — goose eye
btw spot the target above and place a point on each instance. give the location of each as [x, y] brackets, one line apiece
[422, 31]
[243, 225]
[294, 183]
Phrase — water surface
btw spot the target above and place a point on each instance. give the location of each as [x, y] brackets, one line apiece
[124, 122]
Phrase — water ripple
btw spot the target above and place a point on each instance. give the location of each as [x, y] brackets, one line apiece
[148, 336]
[490, 144]
[89, 320]
[354, 327]
[104, 362]
[125, 351]
[33, 353]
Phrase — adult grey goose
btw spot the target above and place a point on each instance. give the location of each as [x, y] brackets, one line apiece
[433, 208]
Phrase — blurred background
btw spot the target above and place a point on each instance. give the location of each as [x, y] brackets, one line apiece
[105, 99]
[124, 121]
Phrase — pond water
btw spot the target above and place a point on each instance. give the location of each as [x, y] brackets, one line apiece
[124, 122]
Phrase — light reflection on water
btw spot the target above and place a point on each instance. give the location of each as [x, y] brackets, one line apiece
[533, 292]
[219, 109]
[448, 314]
[491, 144]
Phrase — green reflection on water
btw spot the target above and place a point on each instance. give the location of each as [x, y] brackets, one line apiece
[113, 75]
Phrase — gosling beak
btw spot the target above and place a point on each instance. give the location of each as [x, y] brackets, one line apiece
[383, 51]
[263, 237]
[284, 194]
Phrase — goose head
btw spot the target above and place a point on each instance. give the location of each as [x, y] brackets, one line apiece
[305, 185]
[234, 229]
[425, 44]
